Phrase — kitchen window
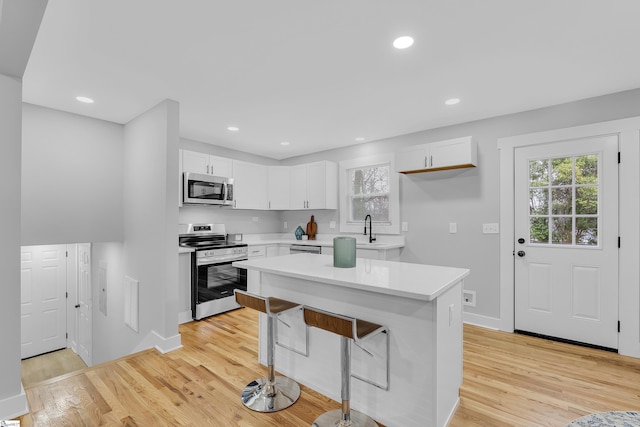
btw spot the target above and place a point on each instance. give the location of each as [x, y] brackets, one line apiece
[368, 186]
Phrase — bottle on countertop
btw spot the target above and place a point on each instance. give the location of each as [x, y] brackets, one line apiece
[312, 229]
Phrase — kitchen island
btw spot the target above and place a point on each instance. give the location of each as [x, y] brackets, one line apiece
[421, 305]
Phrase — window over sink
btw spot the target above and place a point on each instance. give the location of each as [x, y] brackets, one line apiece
[368, 187]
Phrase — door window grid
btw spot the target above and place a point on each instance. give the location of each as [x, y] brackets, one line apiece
[564, 201]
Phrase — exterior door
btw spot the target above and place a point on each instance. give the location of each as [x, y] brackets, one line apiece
[84, 306]
[43, 299]
[566, 231]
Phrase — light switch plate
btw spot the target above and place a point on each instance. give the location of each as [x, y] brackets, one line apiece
[405, 226]
[453, 227]
[332, 224]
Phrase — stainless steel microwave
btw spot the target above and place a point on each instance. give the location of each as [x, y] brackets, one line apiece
[200, 189]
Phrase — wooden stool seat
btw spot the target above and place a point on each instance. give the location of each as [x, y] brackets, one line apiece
[349, 329]
[271, 393]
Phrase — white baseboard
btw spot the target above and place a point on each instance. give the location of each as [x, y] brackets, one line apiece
[169, 344]
[14, 406]
[484, 321]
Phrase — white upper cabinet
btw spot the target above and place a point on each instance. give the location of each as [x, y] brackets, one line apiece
[249, 185]
[193, 161]
[314, 186]
[442, 155]
[278, 182]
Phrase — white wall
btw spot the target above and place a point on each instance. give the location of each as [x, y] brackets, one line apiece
[469, 197]
[150, 221]
[72, 178]
[12, 398]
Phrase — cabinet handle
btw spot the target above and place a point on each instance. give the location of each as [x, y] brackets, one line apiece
[207, 169]
[425, 162]
[431, 160]
[269, 204]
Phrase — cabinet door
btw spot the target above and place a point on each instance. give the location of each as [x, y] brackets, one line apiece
[278, 183]
[453, 152]
[249, 185]
[195, 162]
[412, 158]
[298, 188]
[316, 185]
[220, 166]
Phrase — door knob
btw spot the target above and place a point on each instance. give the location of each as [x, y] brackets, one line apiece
[521, 241]
[77, 305]
[521, 253]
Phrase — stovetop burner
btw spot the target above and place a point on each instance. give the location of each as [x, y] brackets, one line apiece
[205, 236]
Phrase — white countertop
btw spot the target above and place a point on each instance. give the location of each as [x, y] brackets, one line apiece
[415, 281]
[383, 242]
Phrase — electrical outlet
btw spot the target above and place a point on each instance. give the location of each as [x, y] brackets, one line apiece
[405, 226]
[491, 228]
[453, 227]
[469, 298]
[255, 218]
[332, 224]
[286, 225]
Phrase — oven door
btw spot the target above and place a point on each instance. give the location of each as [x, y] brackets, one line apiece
[212, 287]
[206, 189]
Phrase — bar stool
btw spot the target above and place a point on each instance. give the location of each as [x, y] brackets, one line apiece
[349, 329]
[272, 393]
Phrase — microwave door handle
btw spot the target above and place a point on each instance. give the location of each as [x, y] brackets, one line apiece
[225, 192]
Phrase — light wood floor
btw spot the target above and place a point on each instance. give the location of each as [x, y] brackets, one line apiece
[509, 380]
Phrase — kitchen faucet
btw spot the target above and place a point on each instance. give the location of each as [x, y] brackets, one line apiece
[371, 238]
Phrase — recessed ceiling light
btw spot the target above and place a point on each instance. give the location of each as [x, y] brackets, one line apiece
[285, 143]
[452, 101]
[233, 128]
[359, 139]
[84, 99]
[403, 42]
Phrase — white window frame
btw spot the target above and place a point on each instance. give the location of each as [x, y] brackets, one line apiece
[393, 226]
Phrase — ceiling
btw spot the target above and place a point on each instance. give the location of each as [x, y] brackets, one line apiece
[320, 74]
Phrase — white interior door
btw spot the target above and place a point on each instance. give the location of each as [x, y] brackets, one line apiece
[84, 307]
[566, 231]
[43, 299]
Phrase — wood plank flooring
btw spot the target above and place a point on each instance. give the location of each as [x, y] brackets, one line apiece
[509, 380]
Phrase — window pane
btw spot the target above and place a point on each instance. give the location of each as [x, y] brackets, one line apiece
[370, 180]
[539, 201]
[561, 201]
[587, 200]
[538, 173]
[587, 231]
[561, 171]
[539, 230]
[377, 207]
[587, 169]
[561, 230]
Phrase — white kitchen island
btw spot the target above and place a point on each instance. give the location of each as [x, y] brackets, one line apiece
[421, 305]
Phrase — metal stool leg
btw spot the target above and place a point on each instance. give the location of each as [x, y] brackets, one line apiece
[344, 417]
[272, 393]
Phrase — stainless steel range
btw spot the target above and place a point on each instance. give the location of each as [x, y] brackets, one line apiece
[213, 278]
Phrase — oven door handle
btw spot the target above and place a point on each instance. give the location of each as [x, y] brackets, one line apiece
[220, 260]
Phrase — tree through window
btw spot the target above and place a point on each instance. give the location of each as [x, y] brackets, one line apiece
[369, 193]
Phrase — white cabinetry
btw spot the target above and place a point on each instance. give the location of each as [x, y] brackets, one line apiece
[206, 164]
[184, 286]
[442, 155]
[249, 185]
[279, 183]
[314, 186]
[262, 251]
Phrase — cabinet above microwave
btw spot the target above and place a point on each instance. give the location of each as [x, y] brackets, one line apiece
[436, 156]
